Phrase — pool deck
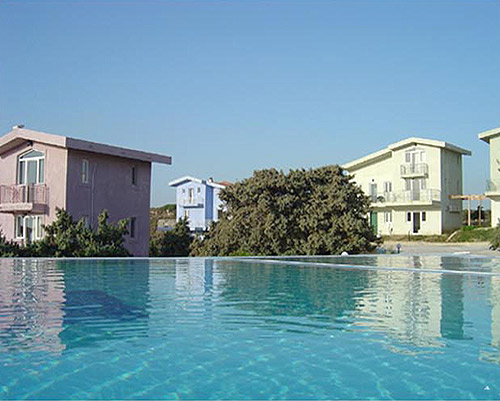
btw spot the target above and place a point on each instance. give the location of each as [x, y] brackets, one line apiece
[418, 247]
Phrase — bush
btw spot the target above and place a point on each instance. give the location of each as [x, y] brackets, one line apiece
[172, 243]
[8, 248]
[303, 212]
[495, 238]
[66, 238]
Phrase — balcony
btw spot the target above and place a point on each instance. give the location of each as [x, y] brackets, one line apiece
[409, 170]
[197, 201]
[422, 197]
[32, 198]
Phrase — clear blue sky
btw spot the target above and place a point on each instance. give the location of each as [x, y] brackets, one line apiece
[227, 87]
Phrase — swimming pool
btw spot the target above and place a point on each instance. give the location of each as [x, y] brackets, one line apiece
[384, 326]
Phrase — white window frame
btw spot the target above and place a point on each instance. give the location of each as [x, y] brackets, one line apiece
[40, 160]
[18, 218]
[37, 226]
[85, 171]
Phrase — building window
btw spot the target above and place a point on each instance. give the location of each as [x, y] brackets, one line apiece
[408, 216]
[29, 228]
[415, 155]
[31, 168]
[85, 171]
[198, 190]
[41, 171]
[38, 227]
[388, 216]
[19, 226]
[387, 186]
[424, 216]
[134, 176]
[133, 227]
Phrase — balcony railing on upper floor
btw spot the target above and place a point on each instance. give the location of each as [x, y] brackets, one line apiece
[192, 202]
[23, 197]
[414, 170]
[412, 196]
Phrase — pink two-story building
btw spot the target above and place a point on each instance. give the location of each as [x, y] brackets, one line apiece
[40, 171]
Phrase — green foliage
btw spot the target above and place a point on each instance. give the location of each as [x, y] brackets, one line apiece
[66, 238]
[474, 234]
[303, 212]
[8, 248]
[172, 243]
[495, 238]
[166, 212]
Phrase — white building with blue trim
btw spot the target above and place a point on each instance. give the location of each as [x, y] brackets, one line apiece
[198, 201]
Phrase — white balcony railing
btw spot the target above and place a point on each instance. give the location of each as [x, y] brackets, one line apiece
[414, 170]
[423, 195]
[194, 201]
[30, 193]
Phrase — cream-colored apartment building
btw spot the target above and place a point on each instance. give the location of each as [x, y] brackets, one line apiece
[492, 137]
[409, 184]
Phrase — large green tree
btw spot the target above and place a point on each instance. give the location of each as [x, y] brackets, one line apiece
[302, 212]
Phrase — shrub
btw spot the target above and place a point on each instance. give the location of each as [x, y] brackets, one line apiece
[172, 243]
[67, 238]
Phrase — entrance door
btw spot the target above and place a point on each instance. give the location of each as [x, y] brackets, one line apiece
[374, 221]
[416, 222]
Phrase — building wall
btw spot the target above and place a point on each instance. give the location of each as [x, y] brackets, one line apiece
[196, 214]
[451, 184]
[209, 202]
[55, 172]
[400, 224]
[495, 178]
[110, 187]
[216, 204]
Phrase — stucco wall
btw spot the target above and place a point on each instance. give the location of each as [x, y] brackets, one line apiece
[451, 165]
[495, 178]
[55, 169]
[110, 187]
[400, 225]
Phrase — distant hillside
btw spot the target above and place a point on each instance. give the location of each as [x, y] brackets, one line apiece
[165, 212]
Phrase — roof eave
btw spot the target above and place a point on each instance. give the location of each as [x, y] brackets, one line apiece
[486, 135]
[186, 178]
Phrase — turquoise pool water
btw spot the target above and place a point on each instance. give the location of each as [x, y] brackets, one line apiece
[382, 327]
